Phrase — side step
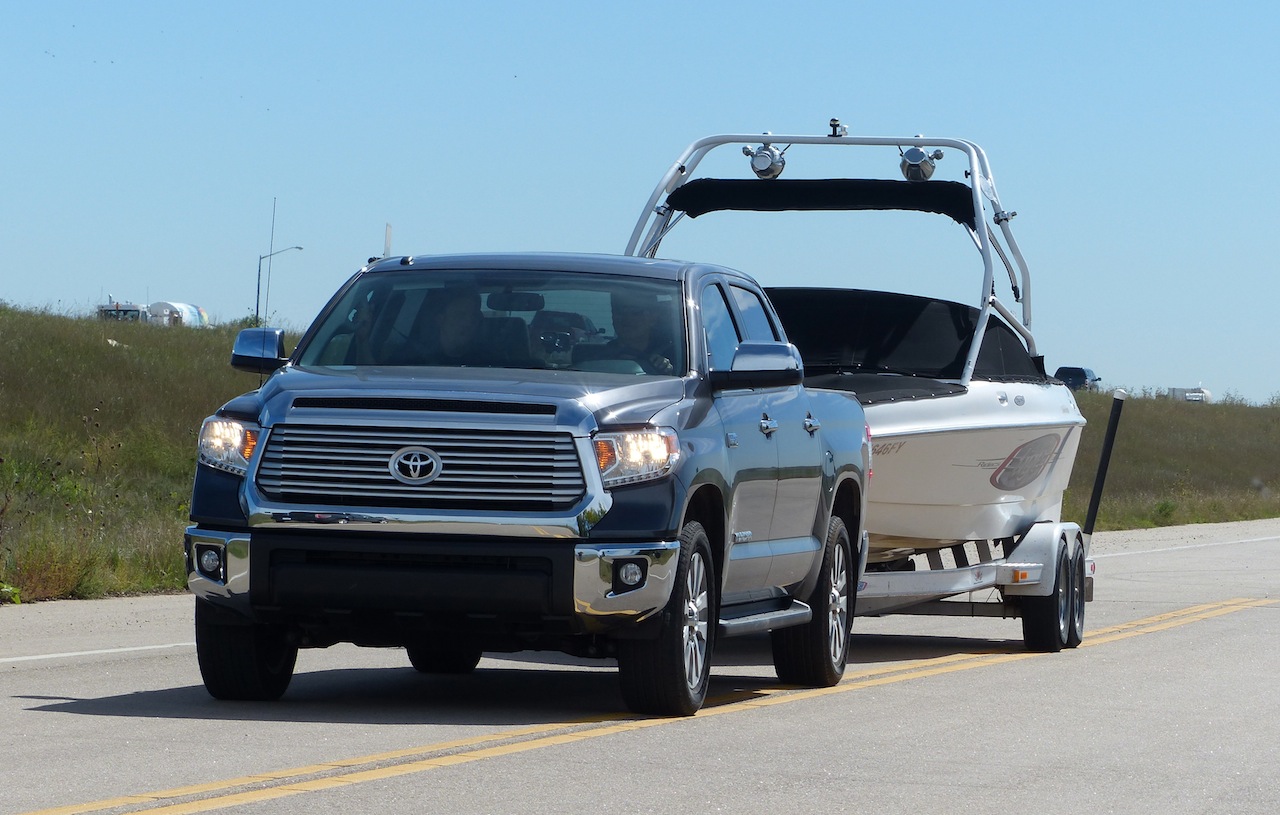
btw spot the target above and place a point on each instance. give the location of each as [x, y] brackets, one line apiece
[753, 619]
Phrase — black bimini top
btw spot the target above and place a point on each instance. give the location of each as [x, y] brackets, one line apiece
[703, 195]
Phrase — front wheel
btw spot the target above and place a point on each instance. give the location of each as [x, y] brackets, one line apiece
[816, 653]
[243, 662]
[669, 675]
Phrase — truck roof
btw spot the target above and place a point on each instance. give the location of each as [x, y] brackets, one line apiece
[558, 261]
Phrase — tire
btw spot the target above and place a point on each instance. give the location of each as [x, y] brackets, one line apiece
[242, 662]
[1076, 634]
[816, 653]
[668, 675]
[443, 658]
[1046, 621]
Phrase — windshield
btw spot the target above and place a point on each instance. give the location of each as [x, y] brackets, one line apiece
[506, 319]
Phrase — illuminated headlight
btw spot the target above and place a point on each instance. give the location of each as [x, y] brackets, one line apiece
[227, 444]
[628, 456]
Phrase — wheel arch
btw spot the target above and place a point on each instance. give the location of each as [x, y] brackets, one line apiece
[706, 506]
[1041, 545]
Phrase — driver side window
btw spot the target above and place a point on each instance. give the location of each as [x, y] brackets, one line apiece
[721, 333]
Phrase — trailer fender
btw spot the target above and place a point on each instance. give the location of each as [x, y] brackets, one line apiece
[1030, 568]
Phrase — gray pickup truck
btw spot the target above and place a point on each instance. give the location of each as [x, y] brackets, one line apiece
[607, 456]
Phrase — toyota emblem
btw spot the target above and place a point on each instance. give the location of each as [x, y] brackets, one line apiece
[415, 465]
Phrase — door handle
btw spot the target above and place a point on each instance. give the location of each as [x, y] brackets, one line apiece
[811, 424]
[767, 425]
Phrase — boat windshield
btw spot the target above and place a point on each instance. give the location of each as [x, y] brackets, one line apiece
[503, 318]
[886, 332]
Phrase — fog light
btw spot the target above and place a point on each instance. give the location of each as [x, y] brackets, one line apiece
[630, 574]
[211, 562]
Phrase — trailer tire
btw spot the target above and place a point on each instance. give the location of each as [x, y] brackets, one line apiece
[816, 653]
[1076, 633]
[669, 675]
[1046, 621]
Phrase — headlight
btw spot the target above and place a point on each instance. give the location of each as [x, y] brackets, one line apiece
[628, 456]
[227, 444]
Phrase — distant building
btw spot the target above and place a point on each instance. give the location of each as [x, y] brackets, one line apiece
[1190, 394]
[123, 312]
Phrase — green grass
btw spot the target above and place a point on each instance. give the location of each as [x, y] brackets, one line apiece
[98, 424]
[1179, 462]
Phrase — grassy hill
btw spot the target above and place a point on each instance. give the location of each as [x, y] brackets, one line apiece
[98, 424]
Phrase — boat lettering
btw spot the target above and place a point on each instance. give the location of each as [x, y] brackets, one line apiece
[1026, 463]
[888, 448]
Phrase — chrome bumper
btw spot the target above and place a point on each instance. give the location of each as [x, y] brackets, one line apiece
[599, 600]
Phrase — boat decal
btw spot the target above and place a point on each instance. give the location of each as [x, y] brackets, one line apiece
[887, 448]
[1026, 463]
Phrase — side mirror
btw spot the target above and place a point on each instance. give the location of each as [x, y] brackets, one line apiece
[259, 350]
[760, 365]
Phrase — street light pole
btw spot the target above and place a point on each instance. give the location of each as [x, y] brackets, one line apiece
[257, 298]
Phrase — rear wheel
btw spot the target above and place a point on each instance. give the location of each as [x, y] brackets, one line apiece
[1046, 621]
[669, 675]
[443, 658]
[1076, 634]
[239, 661]
[815, 653]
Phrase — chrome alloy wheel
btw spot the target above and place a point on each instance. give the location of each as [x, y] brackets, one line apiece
[838, 614]
[696, 622]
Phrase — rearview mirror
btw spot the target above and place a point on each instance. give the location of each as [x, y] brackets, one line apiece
[515, 301]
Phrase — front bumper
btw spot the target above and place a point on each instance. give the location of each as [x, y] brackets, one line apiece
[452, 579]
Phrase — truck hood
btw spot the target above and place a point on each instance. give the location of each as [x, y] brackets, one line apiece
[587, 399]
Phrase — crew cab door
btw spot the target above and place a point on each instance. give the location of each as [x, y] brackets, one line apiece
[798, 448]
[750, 454]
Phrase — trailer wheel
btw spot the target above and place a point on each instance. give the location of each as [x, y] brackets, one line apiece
[1046, 621]
[243, 662]
[815, 653]
[668, 675]
[1076, 635]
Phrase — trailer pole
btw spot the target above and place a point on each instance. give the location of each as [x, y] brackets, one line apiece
[1117, 405]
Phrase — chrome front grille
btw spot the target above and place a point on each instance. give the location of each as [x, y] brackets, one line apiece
[496, 470]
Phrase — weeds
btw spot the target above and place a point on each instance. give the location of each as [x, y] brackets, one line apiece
[97, 449]
[1179, 462]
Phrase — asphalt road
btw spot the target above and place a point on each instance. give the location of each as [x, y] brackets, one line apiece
[1170, 706]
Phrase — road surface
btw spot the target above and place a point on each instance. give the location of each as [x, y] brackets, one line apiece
[1170, 706]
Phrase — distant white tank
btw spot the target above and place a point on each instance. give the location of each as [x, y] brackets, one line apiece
[166, 313]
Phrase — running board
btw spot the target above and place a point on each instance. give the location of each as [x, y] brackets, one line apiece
[797, 613]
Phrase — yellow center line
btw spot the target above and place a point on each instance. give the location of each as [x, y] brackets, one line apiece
[394, 763]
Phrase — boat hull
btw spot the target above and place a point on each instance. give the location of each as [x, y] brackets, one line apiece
[985, 464]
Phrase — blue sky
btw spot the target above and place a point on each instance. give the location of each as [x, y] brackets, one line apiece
[145, 143]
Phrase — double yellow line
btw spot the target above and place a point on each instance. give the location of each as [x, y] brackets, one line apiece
[335, 774]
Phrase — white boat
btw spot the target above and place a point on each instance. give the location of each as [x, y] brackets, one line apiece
[973, 442]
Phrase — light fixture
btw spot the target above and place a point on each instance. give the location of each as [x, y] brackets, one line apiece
[917, 165]
[766, 160]
[257, 320]
[630, 574]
